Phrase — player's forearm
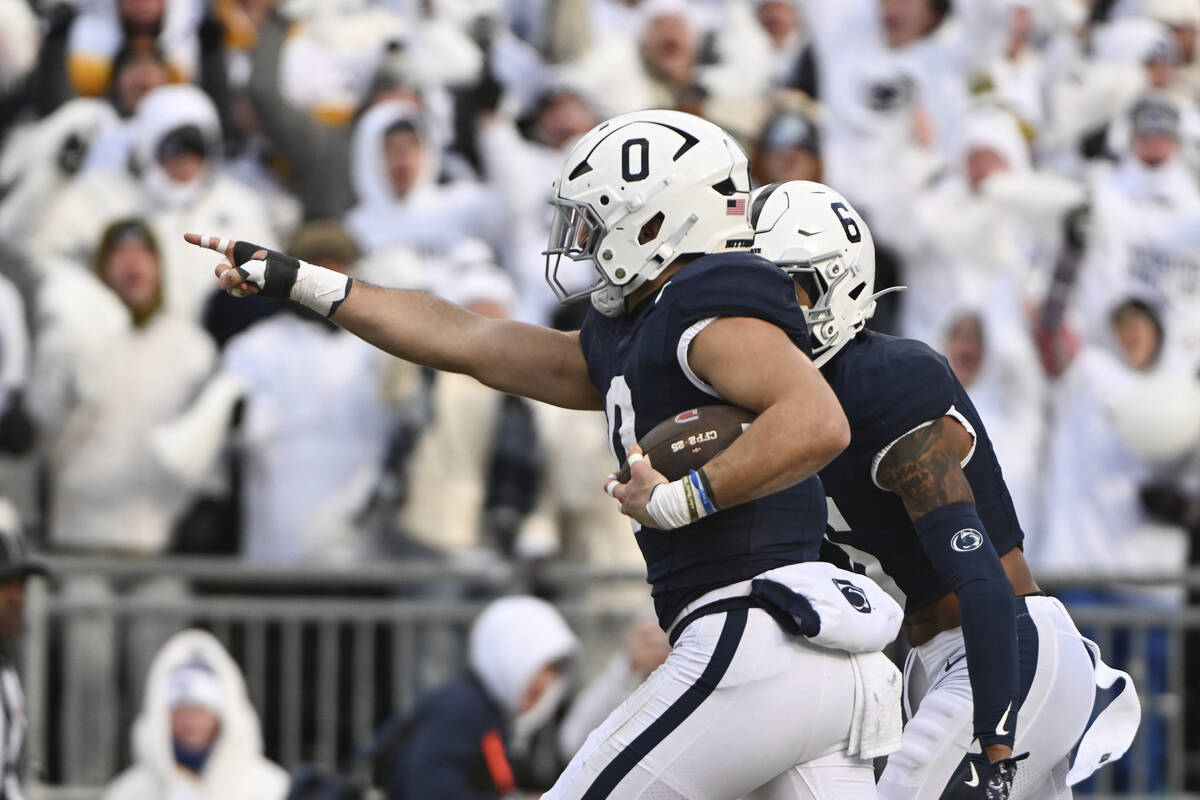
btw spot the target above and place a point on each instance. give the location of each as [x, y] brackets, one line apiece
[790, 441]
[415, 326]
[511, 357]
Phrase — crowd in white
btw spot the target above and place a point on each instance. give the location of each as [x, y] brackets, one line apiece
[1030, 169]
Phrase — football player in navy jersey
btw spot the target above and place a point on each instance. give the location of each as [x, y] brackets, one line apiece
[775, 688]
[995, 661]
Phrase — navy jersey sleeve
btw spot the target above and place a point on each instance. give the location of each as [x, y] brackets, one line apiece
[918, 390]
[738, 285]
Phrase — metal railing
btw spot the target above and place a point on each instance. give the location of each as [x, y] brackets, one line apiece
[328, 654]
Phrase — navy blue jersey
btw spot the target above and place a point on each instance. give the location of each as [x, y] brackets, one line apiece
[635, 363]
[887, 387]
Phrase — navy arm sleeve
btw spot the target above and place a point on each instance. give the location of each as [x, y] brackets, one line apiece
[922, 389]
[963, 557]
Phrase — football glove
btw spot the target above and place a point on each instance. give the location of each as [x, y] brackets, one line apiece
[979, 779]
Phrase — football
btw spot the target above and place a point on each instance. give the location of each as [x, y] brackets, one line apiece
[691, 438]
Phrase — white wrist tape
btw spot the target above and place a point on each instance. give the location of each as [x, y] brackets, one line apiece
[318, 288]
[675, 504]
[279, 275]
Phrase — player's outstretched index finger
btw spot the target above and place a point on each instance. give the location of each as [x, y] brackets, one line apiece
[215, 243]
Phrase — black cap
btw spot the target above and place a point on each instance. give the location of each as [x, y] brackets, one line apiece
[791, 129]
[1155, 115]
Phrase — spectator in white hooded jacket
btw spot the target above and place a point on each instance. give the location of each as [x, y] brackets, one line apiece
[197, 737]
[99, 390]
[395, 160]
[180, 187]
[460, 739]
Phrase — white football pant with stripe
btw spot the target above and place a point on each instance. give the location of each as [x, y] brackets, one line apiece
[739, 709]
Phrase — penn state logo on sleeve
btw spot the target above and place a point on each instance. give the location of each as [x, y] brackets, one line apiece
[966, 540]
[855, 596]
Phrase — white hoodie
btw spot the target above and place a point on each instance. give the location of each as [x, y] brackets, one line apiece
[235, 769]
[75, 220]
[512, 640]
[431, 218]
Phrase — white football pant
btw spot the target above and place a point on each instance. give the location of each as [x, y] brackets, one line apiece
[739, 709]
[937, 696]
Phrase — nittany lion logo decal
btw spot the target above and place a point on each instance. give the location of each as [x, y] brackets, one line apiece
[855, 596]
[966, 540]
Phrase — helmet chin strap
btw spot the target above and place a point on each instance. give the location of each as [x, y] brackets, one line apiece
[666, 251]
[609, 300]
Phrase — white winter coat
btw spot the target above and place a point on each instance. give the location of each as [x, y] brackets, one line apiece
[99, 387]
[235, 770]
[1094, 524]
[313, 437]
[431, 218]
[73, 224]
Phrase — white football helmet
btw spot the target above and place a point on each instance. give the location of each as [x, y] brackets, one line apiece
[809, 229]
[638, 191]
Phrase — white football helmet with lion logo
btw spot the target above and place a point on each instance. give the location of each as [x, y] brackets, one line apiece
[638, 191]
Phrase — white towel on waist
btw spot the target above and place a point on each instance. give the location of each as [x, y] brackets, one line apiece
[875, 724]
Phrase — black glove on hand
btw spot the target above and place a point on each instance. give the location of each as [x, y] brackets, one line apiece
[978, 779]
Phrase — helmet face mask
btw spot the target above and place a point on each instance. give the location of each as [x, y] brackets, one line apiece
[637, 192]
[815, 236]
[575, 232]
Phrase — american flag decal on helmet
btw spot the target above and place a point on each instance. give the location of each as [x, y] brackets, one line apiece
[735, 207]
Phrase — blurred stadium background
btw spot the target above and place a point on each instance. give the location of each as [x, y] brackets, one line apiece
[336, 519]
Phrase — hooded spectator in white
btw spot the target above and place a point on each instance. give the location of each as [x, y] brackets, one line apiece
[1183, 18]
[395, 161]
[99, 395]
[1094, 74]
[177, 183]
[197, 736]
[1125, 254]
[521, 170]
[963, 244]
[99, 390]
[1094, 523]
[459, 741]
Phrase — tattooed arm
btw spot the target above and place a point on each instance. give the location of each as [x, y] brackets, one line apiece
[924, 468]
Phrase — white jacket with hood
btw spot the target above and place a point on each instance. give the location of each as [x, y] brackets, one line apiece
[432, 217]
[512, 640]
[212, 202]
[236, 768]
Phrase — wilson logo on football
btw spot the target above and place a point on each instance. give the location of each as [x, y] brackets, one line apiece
[966, 540]
[687, 416]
